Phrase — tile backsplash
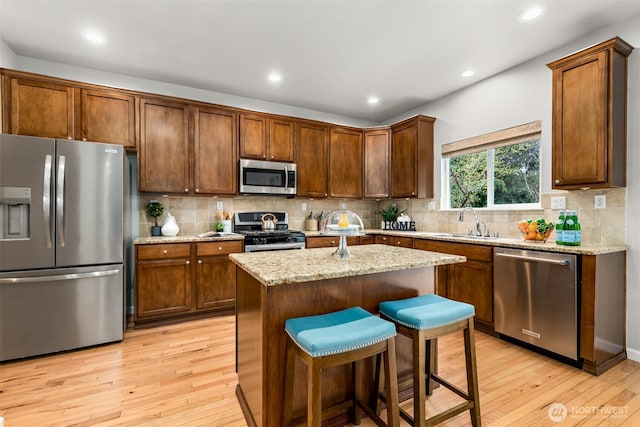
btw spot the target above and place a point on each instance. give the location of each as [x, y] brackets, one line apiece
[599, 226]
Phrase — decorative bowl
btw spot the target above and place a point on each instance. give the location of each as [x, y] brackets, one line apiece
[535, 230]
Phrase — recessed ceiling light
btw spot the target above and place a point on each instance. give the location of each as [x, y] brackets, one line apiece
[468, 73]
[373, 100]
[531, 14]
[94, 37]
[274, 77]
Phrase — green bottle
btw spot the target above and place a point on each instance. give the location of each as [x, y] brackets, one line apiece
[576, 229]
[568, 230]
[560, 229]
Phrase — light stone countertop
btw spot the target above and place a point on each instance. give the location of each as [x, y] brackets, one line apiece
[285, 267]
[498, 242]
[185, 239]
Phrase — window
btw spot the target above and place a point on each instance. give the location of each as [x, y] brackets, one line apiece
[499, 169]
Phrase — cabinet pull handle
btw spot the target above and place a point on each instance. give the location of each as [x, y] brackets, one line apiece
[164, 252]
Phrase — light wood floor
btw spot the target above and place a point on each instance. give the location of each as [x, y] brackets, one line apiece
[183, 375]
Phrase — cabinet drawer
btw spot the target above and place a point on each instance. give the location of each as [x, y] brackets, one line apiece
[219, 248]
[405, 242]
[172, 250]
[475, 252]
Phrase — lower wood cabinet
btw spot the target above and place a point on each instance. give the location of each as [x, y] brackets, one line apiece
[404, 242]
[175, 280]
[331, 241]
[470, 282]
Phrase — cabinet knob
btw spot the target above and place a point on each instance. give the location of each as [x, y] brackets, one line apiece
[264, 156]
[84, 139]
[273, 157]
[325, 194]
[188, 262]
[219, 248]
[413, 193]
[69, 137]
[197, 190]
[186, 190]
[164, 252]
[199, 261]
[333, 242]
[398, 243]
[557, 181]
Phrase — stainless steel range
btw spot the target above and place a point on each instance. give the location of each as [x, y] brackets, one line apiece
[277, 237]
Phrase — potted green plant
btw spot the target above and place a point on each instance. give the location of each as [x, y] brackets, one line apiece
[389, 214]
[154, 209]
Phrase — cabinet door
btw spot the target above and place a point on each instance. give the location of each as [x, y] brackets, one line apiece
[214, 148]
[376, 163]
[164, 146]
[580, 122]
[108, 116]
[472, 282]
[215, 282]
[404, 141]
[345, 163]
[312, 159]
[41, 109]
[216, 274]
[330, 241]
[162, 288]
[281, 140]
[253, 136]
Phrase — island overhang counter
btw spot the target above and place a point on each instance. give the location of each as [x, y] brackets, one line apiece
[272, 287]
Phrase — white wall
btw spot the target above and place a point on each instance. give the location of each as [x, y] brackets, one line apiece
[7, 57]
[523, 94]
[88, 75]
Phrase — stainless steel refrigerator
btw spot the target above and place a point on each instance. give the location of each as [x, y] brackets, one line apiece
[62, 234]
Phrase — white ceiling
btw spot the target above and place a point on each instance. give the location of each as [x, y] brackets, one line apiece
[332, 55]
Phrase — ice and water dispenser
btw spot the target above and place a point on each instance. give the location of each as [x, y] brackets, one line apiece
[15, 204]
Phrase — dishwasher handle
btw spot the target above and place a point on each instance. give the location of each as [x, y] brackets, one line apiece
[564, 262]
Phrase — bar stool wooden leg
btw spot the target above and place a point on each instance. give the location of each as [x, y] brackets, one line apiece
[419, 378]
[290, 368]
[314, 400]
[472, 377]
[391, 386]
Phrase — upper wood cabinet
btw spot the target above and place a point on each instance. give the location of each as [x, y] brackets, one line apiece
[264, 137]
[37, 108]
[376, 163]
[589, 117]
[164, 146]
[345, 163]
[412, 158]
[54, 108]
[215, 159]
[106, 116]
[312, 158]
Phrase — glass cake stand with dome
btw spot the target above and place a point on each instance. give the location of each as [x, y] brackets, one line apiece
[342, 223]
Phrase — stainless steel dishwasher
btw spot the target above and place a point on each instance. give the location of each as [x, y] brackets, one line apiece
[536, 299]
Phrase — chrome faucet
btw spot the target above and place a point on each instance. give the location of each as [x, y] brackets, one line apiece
[480, 226]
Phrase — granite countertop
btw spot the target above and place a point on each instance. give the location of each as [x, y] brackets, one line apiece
[318, 264]
[498, 242]
[186, 239]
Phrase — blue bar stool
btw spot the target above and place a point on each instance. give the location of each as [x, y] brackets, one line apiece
[423, 319]
[338, 338]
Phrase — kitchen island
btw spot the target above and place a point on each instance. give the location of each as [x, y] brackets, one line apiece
[272, 287]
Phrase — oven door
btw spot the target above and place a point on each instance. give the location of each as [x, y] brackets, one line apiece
[274, 247]
[261, 177]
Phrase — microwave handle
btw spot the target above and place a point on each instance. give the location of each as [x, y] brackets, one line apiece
[286, 177]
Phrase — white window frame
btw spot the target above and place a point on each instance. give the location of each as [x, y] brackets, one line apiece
[488, 143]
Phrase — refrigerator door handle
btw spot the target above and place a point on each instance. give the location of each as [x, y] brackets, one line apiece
[46, 200]
[60, 277]
[60, 200]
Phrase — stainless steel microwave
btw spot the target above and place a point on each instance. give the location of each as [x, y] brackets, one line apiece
[267, 178]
